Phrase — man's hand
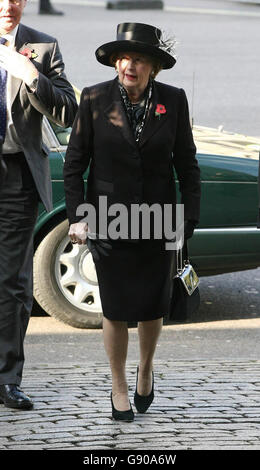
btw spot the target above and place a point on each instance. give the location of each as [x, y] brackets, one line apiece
[78, 233]
[17, 65]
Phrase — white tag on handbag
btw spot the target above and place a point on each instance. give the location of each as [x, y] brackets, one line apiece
[189, 278]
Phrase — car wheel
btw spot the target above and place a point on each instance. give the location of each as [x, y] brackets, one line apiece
[65, 280]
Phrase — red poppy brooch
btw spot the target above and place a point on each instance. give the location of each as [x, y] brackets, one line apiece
[160, 109]
[30, 53]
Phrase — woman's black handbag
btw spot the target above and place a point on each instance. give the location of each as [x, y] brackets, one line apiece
[185, 299]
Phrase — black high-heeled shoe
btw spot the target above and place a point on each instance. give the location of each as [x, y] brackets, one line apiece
[141, 402]
[117, 415]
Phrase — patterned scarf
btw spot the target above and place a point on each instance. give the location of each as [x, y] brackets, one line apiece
[137, 112]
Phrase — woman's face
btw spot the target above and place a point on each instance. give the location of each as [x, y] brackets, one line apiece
[134, 70]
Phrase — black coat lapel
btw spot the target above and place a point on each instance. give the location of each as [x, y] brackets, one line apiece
[116, 114]
[22, 37]
[20, 40]
[153, 122]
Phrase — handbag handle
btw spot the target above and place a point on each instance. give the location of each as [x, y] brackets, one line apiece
[182, 256]
[185, 251]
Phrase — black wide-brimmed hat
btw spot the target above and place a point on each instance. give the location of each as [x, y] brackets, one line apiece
[138, 37]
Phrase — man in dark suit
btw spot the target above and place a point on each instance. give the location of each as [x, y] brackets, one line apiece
[33, 84]
[258, 223]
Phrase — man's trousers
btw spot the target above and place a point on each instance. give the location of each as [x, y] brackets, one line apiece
[18, 214]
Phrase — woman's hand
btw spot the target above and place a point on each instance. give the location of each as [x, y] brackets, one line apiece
[78, 233]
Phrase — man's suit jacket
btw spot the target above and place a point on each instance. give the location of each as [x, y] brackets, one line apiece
[119, 168]
[258, 220]
[55, 99]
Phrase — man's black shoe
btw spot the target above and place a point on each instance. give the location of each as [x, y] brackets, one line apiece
[50, 11]
[13, 397]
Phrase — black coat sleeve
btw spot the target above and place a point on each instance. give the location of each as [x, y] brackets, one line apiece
[54, 97]
[185, 162]
[78, 157]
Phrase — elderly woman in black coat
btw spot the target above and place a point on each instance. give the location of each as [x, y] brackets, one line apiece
[131, 133]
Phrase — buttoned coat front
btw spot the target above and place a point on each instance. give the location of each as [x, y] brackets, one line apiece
[119, 168]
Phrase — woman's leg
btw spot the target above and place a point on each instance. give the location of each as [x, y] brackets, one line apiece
[149, 332]
[115, 334]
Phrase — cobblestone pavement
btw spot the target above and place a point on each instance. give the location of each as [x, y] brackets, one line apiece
[198, 405]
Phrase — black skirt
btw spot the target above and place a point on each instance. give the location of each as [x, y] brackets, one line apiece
[135, 280]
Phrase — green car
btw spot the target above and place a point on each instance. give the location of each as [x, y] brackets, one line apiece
[226, 240]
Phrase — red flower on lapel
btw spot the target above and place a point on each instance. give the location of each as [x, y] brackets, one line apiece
[27, 52]
[160, 109]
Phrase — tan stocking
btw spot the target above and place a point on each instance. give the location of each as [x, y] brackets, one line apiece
[115, 334]
[149, 332]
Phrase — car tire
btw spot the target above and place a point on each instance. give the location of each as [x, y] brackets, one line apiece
[65, 283]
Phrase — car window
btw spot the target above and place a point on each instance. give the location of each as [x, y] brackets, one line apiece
[63, 135]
